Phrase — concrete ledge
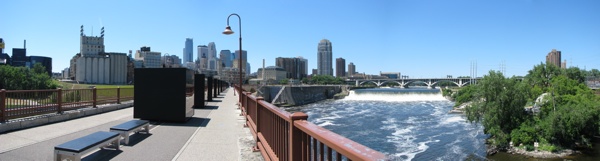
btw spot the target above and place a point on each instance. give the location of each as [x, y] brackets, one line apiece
[34, 122]
[75, 114]
[58, 118]
[10, 126]
[91, 111]
[22, 123]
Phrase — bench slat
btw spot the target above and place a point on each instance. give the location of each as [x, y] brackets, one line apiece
[83, 143]
[129, 125]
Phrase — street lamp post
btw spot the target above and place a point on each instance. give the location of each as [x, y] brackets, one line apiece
[228, 31]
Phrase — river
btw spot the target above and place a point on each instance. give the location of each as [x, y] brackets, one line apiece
[405, 124]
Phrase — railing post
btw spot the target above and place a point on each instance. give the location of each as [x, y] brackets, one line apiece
[246, 98]
[59, 100]
[297, 152]
[119, 95]
[94, 97]
[2, 105]
[257, 120]
[240, 95]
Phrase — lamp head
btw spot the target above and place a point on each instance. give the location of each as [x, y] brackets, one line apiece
[228, 31]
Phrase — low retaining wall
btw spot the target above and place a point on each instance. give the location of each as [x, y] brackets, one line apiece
[27, 122]
[299, 95]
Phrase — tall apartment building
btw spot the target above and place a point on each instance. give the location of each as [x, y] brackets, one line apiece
[188, 50]
[324, 58]
[340, 67]
[554, 57]
[351, 69]
[295, 67]
[303, 67]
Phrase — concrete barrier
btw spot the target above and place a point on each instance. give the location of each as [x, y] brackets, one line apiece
[22, 123]
[299, 95]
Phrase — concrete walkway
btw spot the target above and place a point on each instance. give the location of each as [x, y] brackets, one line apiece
[214, 133]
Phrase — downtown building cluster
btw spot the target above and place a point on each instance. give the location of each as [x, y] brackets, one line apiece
[93, 65]
[225, 66]
[19, 58]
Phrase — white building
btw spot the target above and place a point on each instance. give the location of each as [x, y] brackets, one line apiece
[109, 68]
[149, 58]
[91, 45]
[272, 74]
[65, 73]
[95, 65]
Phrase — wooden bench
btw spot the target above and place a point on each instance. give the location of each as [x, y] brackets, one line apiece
[130, 127]
[77, 148]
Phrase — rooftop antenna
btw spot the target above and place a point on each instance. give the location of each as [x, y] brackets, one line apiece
[102, 32]
[82, 31]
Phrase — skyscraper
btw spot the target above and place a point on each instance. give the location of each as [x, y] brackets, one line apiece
[188, 51]
[212, 56]
[351, 69]
[554, 57]
[225, 56]
[202, 57]
[340, 67]
[324, 58]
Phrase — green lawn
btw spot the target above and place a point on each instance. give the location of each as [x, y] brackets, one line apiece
[66, 85]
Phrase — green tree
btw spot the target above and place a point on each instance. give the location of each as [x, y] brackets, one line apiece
[539, 77]
[22, 78]
[284, 81]
[499, 106]
[576, 74]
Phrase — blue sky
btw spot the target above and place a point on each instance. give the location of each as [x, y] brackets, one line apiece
[417, 38]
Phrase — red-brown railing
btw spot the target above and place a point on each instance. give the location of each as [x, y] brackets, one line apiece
[280, 135]
[24, 103]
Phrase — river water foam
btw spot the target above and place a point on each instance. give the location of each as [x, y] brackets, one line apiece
[405, 124]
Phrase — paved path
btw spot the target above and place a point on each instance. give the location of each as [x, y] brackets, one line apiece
[214, 133]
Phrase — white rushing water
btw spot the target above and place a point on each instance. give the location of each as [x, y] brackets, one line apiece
[405, 124]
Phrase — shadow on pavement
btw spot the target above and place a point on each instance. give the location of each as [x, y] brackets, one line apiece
[103, 154]
[137, 138]
[194, 122]
[210, 107]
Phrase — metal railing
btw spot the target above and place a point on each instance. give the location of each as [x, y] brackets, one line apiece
[24, 103]
[280, 135]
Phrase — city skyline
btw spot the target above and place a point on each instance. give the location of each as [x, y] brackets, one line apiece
[419, 39]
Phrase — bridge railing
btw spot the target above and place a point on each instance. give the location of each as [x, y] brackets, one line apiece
[25, 103]
[280, 135]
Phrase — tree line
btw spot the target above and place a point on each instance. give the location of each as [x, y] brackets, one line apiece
[567, 116]
[23, 78]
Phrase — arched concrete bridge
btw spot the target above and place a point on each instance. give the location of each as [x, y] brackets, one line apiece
[430, 82]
